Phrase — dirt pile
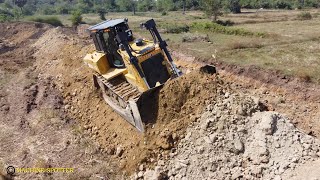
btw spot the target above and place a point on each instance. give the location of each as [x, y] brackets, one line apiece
[59, 57]
[233, 139]
[179, 103]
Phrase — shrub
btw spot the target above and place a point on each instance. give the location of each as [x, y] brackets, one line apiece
[174, 28]
[5, 17]
[283, 5]
[217, 28]
[76, 18]
[304, 16]
[164, 13]
[49, 20]
[189, 37]
[225, 23]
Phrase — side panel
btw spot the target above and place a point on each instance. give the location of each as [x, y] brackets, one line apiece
[97, 61]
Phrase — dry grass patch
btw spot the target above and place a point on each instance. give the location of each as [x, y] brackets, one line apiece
[244, 45]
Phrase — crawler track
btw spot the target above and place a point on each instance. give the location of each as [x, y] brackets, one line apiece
[122, 97]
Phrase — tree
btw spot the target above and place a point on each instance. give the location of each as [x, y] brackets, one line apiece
[20, 3]
[145, 5]
[76, 18]
[165, 5]
[212, 8]
[101, 12]
[234, 6]
[124, 5]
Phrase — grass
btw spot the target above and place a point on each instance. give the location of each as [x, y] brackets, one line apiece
[173, 28]
[304, 16]
[217, 28]
[271, 39]
[53, 20]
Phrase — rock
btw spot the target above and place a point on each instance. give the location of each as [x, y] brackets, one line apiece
[213, 137]
[161, 163]
[140, 174]
[119, 151]
[268, 123]
[114, 135]
[207, 139]
[141, 167]
[238, 146]
[200, 149]
[277, 177]
[187, 137]
[236, 174]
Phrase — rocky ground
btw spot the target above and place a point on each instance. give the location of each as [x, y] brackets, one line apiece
[234, 139]
[206, 126]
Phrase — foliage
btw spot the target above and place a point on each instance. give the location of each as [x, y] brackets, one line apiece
[5, 17]
[304, 16]
[101, 12]
[20, 3]
[212, 8]
[234, 6]
[281, 4]
[174, 28]
[165, 5]
[217, 28]
[124, 5]
[225, 23]
[76, 18]
[145, 5]
[49, 20]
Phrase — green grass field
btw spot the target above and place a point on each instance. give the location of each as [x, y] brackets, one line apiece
[289, 45]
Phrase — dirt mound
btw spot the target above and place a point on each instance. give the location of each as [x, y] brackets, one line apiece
[233, 140]
[178, 103]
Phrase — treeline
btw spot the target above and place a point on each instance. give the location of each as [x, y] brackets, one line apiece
[18, 8]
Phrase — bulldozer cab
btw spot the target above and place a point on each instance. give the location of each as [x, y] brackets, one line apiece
[104, 35]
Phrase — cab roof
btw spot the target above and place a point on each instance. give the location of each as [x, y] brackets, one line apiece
[107, 24]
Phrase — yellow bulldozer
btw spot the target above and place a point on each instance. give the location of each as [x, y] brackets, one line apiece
[129, 69]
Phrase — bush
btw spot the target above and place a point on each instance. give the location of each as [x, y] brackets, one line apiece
[283, 5]
[304, 16]
[164, 13]
[5, 17]
[225, 23]
[54, 21]
[76, 18]
[217, 28]
[174, 28]
[189, 37]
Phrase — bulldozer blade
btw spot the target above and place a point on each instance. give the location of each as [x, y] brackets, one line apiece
[136, 109]
[139, 109]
